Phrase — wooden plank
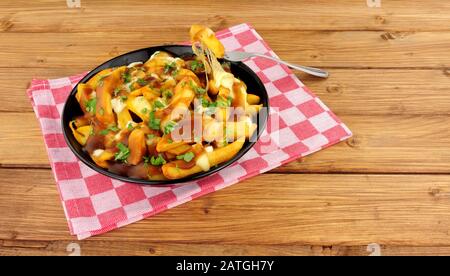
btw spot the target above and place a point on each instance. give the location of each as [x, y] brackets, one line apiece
[54, 16]
[312, 209]
[366, 49]
[124, 248]
[372, 92]
[381, 144]
[144, 248]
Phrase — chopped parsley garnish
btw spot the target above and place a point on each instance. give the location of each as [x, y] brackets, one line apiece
[142, 82]
[174, 73]
[126, 77]
[188, 156]
[101, 111]
[144, 110]
[169, 127]
[150, 136]
[196, 64]
[122, 154]
[158, 161]
[90, 105]
[170, 66]
[170, 141]
[153, 123]
[123, 98]
[158, 104]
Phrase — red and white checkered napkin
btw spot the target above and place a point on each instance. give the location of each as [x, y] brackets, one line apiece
[299, 124]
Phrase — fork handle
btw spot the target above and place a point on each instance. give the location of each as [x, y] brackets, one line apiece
[309, 70]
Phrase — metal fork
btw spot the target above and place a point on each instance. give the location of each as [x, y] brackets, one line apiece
[240, 56]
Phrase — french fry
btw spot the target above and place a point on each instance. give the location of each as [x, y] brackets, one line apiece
[182, 73]
[213, 89]
[155, 173]
[171, 171]
[140, 106]
[166, 143]
[137, 146]
[102, 158]
[159, 60]
[180, 149]
[179, 104]
[223, 154]
[240, 130]
[252, 110]
[104, 90]
[203, 162]
[82, 121]
[199, 33]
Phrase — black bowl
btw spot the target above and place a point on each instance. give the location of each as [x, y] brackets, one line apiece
[240, 70]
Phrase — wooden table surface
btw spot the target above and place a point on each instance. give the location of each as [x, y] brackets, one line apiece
[390, 81]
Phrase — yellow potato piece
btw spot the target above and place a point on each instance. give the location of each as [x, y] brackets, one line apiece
[104, 112]
[182, 73]
[137, 146]
[164, 145]
[103, 158]
[252, 110]
[239, 130]
[83, 95]
[253, 99]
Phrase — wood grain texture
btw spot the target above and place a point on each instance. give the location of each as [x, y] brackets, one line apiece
[291, 15]
[389, 144]
[312, 209]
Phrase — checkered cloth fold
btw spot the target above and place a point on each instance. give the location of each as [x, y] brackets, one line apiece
[95, 204]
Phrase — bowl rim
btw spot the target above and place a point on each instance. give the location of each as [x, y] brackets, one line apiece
[247, 146]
